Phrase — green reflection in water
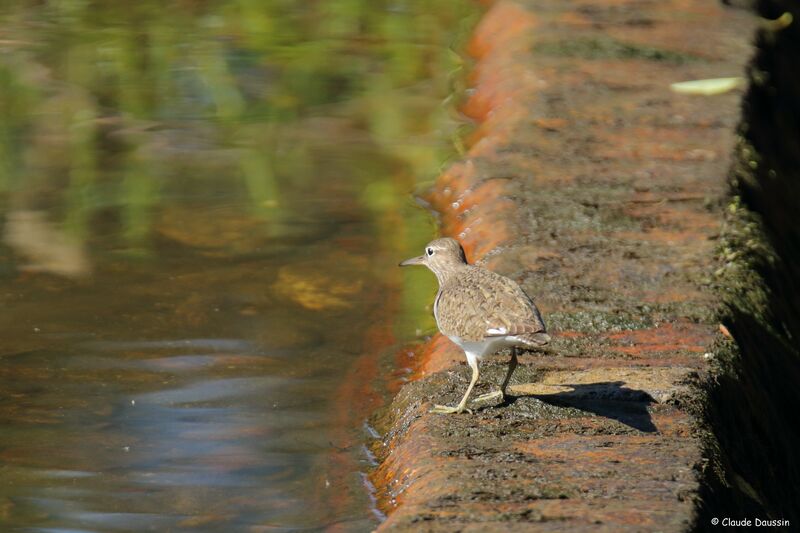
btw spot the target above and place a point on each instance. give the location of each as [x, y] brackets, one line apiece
[243, 77]
[202, 208]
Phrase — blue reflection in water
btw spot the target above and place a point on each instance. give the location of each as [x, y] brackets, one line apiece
[187, 445]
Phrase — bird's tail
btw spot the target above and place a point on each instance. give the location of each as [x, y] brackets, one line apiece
[534, 339]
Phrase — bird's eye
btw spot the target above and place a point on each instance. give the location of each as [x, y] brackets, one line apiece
[429, 251]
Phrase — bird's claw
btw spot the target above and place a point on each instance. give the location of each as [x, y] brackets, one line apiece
[446, 410]
[496, 395]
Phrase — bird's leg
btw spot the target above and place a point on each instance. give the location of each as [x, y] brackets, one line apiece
[512, 365]
[501, 394]
[462, 405]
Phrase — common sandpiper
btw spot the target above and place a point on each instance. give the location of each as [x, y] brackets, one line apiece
[480, 311]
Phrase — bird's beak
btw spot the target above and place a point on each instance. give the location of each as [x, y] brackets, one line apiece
[420, 260]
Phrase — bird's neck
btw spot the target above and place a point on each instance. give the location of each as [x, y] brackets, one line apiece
[445, 273]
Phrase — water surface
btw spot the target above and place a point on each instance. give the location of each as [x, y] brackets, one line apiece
[201, 210]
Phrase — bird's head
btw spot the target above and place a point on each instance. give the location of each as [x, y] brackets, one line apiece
[442, 256]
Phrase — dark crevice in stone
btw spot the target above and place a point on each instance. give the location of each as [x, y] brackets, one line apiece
[751, 399]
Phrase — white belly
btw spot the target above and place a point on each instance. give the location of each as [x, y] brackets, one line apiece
[480, 349]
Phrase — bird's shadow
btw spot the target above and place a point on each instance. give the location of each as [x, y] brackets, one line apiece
[610, 399]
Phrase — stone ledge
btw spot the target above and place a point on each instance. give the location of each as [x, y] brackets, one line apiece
[597, 189]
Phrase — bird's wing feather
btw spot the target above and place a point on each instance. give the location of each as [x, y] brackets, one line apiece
[480, 303]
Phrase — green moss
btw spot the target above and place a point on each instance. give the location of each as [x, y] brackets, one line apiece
[601, 321]
[743, 248]
[608, 48]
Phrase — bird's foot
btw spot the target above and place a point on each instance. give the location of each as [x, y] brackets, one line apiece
[491, 396]
[446, 410]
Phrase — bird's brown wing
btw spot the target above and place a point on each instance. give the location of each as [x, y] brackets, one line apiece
[480, 303]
